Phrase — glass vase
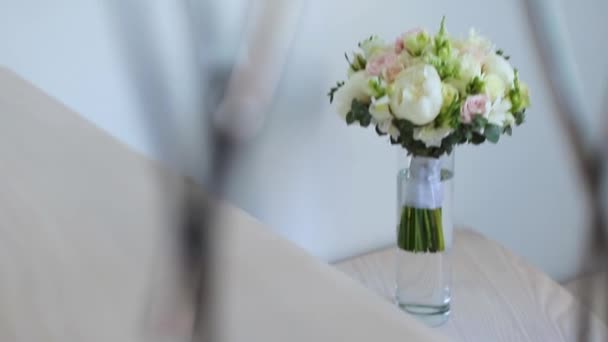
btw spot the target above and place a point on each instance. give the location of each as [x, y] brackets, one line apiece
[424, 237]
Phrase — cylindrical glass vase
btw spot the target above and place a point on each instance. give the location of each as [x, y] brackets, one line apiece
[424, 237]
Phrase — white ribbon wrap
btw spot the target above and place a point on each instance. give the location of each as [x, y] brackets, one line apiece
[424, 189]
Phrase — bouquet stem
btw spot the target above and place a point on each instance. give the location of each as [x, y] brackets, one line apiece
[420, 230]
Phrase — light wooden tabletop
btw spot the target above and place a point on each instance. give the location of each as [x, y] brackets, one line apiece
[496, 296]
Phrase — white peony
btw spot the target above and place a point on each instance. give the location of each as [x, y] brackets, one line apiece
[497, 65]
[469, 67]
[417, 95]
[430, 136]
[500, 114]
[380, 109]
[356, 87]
[494, 86]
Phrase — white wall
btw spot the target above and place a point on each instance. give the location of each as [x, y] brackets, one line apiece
[328, 187]
[127, 66]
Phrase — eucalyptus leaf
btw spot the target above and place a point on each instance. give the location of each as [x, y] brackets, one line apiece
[478, 138]
[492, 133]
[350, 118]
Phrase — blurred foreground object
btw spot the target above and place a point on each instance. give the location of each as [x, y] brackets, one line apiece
[269, 29]
[591, 159]
[84, 236]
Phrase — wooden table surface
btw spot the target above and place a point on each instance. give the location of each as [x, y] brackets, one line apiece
[496, 296]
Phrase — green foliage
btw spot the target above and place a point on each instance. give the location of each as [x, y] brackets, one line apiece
[377, 88]
[333, 91]
[520, 117]
[500, 52]
[463, 133]
[361, 43]
[379, 132]
[447, 67]
[358, 63]
[359, 112]
[442, 56]
[477, 139]
[417, 44]
[475, 86]
[449, 115]
[478, 123]
[492, 133]
[417, 147]
[518, 97]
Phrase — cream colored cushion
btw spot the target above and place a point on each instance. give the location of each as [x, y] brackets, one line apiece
[85, 247]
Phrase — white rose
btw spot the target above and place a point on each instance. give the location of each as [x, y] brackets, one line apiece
[417, 95]
[430, 136]
[497, 65]
[494, 86]
[380, 109]
[500, 114]
[469, 67]
[356, 87]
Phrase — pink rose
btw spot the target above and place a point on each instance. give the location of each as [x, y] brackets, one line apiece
[390, 73]
[474, 105]
[399, 45]
[376, 65]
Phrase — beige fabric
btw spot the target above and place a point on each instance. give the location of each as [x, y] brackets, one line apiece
[84, 247]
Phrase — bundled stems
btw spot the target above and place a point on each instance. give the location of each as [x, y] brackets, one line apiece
[420, 230]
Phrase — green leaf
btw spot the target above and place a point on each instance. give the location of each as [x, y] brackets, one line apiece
[475, 86]
[379, 132]
[492, 133]
[508, 130]
[469, 135]
[350, 118]
[479, 122]
[347, 59]
[333, 91]
[520, 117]
[378, 89]
[358, 62]
[359, 111]
[478, 138]
[365, 121]
[500, 52]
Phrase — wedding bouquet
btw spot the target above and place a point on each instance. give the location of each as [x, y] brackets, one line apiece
[429, 93]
